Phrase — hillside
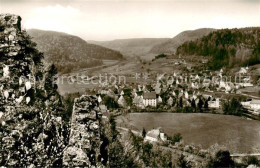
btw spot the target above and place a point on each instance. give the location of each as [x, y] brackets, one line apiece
[70, 52]
[226, 47]
[171, 45]
[132, 47]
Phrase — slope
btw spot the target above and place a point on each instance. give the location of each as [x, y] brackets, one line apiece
[171, 45]
[132, 47]
[70, 52]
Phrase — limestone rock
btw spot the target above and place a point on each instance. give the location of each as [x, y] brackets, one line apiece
[21, 122]
[85, 134]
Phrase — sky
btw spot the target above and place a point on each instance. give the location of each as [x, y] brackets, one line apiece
[119, 19]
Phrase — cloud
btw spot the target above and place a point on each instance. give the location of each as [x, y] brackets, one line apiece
[57, 18]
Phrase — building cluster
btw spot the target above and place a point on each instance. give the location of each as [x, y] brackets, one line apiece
[166, 92]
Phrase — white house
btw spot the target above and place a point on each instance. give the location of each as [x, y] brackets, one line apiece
[155, 135]
[121, 101]
[177, 82]
[255, 104]
[206, 82]
[214, 103]
[138, 101]
[6, 71]
[6, 94]
[228, 88]
[247, 103]
[170, 81]
[194, 85]
[158, 90]
[149, 99]
[159, 99]
[186, 95]
[243, 70]
[99, 99]
[222, 84]
[170, 101]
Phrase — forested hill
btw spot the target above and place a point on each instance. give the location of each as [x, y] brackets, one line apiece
[170, 46]
[226, 47]
[70, 52]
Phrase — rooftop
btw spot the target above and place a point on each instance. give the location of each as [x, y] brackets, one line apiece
[153, 133]
[254, 101]
[150, 95]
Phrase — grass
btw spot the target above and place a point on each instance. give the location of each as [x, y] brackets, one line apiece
[237, 134]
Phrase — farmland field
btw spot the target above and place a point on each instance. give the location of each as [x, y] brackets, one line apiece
[236, 134]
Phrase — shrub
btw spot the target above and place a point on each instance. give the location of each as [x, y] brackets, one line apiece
[251, 160]
[160, 56]
[221, 159]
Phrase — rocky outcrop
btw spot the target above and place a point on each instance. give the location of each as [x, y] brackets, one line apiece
[85, 137]
[31, 131]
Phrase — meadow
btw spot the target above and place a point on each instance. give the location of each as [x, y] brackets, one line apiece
[238, 135]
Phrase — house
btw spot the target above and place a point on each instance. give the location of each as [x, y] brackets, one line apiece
[170, 81]
[206, 82]
[222, 84]
[99, 99]
[214, 103]
[227, 88]
[197, 77]
[194, 85]
[158, 90]
[158, 85]
[255, 104]
[246, 103]
[159, 100]
[155, 135]
[245, 82]
[243, 70]
[138, 101]
[170, 101]
[186, 95]
[6, 72]
[103, 108]
[149, 99]
[177, 82]
[121, 101]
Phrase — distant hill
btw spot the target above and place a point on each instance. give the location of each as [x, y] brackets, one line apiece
[170, 46]
[226, 47]
[132, 47]
[70, 52]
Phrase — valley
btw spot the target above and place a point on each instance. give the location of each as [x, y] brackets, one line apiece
[207, 130]
[129, 84]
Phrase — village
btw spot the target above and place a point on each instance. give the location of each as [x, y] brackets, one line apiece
[82, 103]
[178, 92]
